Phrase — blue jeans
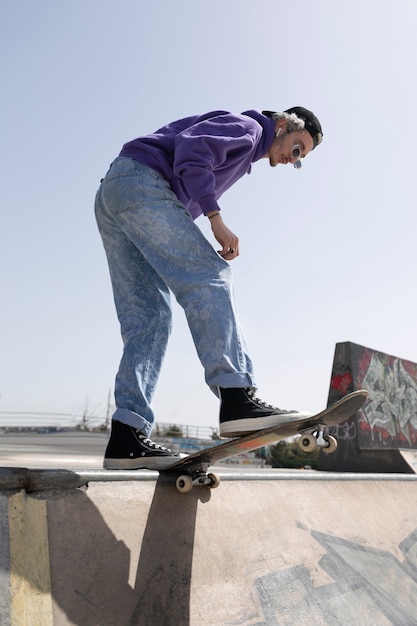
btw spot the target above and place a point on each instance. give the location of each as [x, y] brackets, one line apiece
[153, 247]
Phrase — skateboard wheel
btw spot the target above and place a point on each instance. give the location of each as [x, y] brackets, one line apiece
[214, 481]
[307, 443]
[184, 483]
[332, 444]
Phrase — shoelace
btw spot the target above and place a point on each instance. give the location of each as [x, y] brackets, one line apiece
[152, 444]
[255, 398]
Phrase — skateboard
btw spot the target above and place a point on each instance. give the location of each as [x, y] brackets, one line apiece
[192, 470]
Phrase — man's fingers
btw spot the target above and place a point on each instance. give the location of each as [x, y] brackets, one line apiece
[229, 253]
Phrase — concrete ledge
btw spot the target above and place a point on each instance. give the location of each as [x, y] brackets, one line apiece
[40, 479]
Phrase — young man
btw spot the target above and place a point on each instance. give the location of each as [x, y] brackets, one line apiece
[145, 210]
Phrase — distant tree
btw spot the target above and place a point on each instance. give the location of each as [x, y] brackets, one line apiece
[84, 424]
[288, 454]
[173, 431]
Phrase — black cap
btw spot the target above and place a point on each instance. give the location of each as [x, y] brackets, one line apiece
[311, 123]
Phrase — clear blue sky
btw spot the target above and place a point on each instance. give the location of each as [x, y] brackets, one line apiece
[328, 254]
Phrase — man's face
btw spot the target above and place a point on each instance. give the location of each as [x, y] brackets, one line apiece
[280, 151]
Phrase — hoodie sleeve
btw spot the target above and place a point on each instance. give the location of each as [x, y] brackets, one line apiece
[207, 146]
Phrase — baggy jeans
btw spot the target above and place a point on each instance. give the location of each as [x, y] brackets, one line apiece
[153, 248]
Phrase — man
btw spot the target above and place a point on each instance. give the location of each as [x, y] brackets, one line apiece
[145, 210]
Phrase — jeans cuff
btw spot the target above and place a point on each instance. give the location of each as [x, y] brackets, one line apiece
[133, 419]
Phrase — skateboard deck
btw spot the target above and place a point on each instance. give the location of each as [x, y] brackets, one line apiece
[192, 470]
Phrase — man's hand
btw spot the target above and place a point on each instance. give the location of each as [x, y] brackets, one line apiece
[225, 237]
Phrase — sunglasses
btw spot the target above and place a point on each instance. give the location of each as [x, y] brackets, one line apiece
[296, 154]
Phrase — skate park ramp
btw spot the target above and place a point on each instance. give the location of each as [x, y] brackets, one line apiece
[410, 457]
[264, 549]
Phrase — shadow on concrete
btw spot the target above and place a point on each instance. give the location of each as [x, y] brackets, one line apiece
[90, 566]
[163, 578]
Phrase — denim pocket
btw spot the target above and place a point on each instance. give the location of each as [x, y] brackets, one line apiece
[130, 185]
[123, 186]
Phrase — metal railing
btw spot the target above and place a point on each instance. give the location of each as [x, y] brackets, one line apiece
[35, 421]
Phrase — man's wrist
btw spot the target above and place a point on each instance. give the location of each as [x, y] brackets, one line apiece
[212, 214]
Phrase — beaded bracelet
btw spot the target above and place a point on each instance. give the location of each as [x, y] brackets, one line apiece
[214, 215]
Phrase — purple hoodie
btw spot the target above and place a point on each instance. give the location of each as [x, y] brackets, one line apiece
[203, 155]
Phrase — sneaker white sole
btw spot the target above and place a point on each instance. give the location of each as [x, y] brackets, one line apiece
[150, 462]
[245, 426]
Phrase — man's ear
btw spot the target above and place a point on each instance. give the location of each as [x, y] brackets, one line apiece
[280, 126]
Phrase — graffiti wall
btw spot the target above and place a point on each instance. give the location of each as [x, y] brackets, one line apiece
[388, 420]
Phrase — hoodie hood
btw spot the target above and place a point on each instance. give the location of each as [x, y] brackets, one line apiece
[268, 132]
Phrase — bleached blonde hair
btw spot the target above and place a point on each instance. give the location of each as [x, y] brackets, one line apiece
[293, 121]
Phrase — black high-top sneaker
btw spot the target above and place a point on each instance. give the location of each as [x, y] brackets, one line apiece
[128, 448]
[242, 412]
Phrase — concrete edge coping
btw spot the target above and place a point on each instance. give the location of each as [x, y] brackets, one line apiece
[42, 479]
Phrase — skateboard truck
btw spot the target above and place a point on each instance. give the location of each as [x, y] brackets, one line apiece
[314, 438]
[185, 482]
